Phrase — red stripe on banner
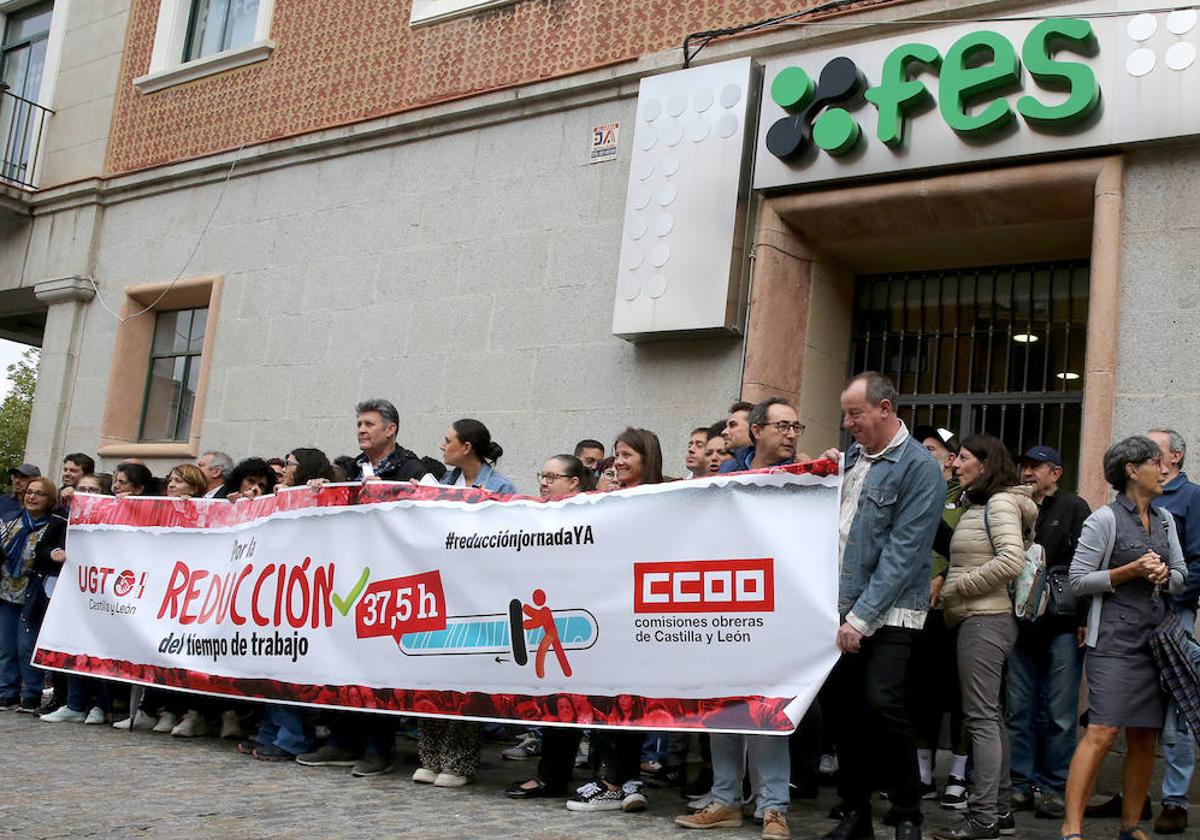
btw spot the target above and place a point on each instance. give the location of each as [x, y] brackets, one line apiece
[755, 714]
[161, 512]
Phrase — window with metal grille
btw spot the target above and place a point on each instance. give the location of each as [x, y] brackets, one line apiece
[218, 25]
[174, 371]
[998, 350]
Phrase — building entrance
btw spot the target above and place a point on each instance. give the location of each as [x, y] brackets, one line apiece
[996, 349]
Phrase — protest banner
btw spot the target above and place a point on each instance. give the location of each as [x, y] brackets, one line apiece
[704, 604]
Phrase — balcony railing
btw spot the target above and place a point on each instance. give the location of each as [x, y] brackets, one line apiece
[22, 125]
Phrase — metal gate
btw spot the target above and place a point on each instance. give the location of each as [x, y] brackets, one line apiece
[997, 349]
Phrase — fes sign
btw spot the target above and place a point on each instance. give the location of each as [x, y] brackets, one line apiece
[974, 69]
[1078, 76]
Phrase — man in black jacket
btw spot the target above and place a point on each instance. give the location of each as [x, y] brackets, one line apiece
[1045, 668]
[365, 742]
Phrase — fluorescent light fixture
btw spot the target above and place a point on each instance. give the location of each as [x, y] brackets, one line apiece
[1025, 338]
[1068, 375]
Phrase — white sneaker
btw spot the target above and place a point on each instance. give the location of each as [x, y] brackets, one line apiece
[632, 797]
[450, 780]
[166, 722]
[64, 714]
[192, 726]
[141, 721]
[96, 717]
[425, 776]
[231, 727]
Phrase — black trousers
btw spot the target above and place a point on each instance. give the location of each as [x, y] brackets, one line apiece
[617, 755]
[804, 747]
[560, 745]
[876, 746]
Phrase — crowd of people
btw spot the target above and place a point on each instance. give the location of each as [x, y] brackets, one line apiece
[935, 635]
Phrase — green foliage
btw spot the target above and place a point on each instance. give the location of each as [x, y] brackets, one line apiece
[14, 410]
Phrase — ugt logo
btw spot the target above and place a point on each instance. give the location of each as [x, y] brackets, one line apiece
[835, 130]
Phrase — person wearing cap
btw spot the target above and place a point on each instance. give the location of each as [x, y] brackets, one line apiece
[11, 504]
[1046, 666]
[934, 668]
[1182, 498]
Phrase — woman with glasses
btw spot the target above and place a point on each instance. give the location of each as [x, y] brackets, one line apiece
[20, 680]
[89, 700]
[469, 451]
[561, 477]
[1127, 554]
[606, 475]
[617, 753]
[305, 464]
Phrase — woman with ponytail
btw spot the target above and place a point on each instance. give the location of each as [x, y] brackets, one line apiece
[471, 454]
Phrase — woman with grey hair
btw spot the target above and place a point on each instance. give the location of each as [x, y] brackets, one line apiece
[1128, 551]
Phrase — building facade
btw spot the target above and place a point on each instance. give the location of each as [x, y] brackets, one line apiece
[238, 218]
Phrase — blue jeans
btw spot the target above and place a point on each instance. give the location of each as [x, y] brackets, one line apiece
[18, 676]
[1178, 745]
[769, 757]
[287, 728]
[85, 692]
[1044, 672]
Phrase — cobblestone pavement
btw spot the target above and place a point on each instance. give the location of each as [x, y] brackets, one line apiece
[70, 781]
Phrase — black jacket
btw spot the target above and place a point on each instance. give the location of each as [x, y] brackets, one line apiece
[399, 465]
[1060, 519]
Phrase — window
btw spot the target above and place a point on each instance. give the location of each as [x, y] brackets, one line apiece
[218, 25]
[174, 371]
[22, 66]
[197, 38]
[429, 11]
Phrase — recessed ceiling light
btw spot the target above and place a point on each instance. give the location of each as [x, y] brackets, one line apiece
[1068, 375]
[1025, 338]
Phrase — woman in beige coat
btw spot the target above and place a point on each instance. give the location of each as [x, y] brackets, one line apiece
[986, 555]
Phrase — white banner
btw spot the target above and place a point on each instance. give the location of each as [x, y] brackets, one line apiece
[697, 604]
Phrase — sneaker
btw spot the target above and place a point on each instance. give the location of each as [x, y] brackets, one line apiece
[270, 752]
[929, 790]
[775, 826]
[651, 766]
[954, 795]
[667, 777]
[581, 757]
[968, 828]
[141, 722]
[828, 765]
[450, 780]
[10, 704]
[1005, 823]
[372, 764]
[64, 714]
[191, 726]
[327, 755]
[529, 747]
[32, 706]
[1050, 806]
[425, 776]
[166, 722]
[96, 717]
[1023, 799]
[712, 815]
[1172, 819]
[246, 747]
[632, 798]
[231, 727]
[596, 796]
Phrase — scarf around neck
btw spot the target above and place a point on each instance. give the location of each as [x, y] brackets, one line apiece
[18, 540]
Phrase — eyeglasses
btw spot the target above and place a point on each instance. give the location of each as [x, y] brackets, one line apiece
[291, 463]
[783, 427]
[37, 494]
[549, 477]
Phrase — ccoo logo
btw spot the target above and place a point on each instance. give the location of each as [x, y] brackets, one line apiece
[834, 129]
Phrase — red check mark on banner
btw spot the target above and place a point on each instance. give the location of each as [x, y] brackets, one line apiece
[403, 605]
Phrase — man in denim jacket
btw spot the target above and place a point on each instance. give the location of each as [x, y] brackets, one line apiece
[892, 498]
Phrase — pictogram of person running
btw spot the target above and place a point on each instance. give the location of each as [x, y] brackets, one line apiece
[541, 616]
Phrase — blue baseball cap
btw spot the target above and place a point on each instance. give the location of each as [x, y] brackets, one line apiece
[1043, 455]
